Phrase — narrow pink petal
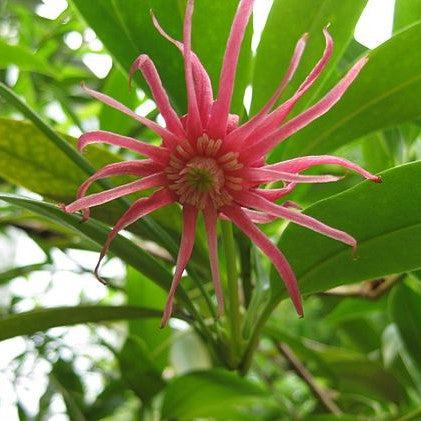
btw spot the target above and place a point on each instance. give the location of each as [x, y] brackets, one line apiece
[210, 216]
[140, 168]
[275, 194]
[194, 123]
[156, 153]
[255, 201]
[97, 199]
[279, 115]
[259, 217]
[277, 258]
[304, 119]
[217, 125]
[137, 210]
[185, 251]
[243, 131]
[148, 69]
[262, 175]
[297, 165]
[203, 84]
[166, 135]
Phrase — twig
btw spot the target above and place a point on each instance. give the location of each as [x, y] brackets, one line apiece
[370, 290]
[322, 395]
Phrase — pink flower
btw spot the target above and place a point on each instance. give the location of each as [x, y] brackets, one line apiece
[210, 163]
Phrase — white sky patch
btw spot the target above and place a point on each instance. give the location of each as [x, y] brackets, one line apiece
[376, 23]
[99, 64]
[73, 40]
[145, 108]
[260, 14]
[51, 9]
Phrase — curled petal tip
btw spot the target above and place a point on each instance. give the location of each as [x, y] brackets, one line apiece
[62, 207]
[327, 26]
[378, 179]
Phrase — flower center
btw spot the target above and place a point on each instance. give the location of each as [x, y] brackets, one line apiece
[199, 173]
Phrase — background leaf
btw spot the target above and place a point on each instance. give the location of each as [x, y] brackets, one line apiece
[382, 217]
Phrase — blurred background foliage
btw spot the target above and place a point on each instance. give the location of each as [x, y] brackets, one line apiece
[357, 352]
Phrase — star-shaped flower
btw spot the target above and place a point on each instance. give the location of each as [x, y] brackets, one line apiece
[208, 162]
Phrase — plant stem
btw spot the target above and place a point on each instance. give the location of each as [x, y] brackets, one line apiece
[322, 395]
[232, 283]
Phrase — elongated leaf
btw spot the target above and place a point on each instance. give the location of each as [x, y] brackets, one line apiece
[288, 21]
[369, 106]
[407, 12]
[125, 28]
[405, 312]
[382, 217]
[27, 159]
[139, 370]
[215, 394]
[23, 58]
[34, 321]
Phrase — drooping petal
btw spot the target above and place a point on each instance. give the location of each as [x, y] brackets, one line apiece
[258, 217]
[243, 131]
[186, 248]
[137, 210]
[262, 175]
[148, 69]
[275, 194]
[100, 198]
[156, 153]
[302, 120]
[297, 165]
[217, 124]
[255, 201]
[194, 123]
[210, 217]
[203, 84]
[168, 137]
[277, 258]
[325, 104]
[140, 168]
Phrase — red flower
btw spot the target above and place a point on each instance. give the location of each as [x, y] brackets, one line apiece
[209, 163]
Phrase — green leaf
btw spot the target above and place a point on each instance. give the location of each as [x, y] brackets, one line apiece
[30, 322]
[23, 58]
[141, 292]
[405, 312]
[139, 370]
[383, 219]
[407, 12]
[287, 22]
[125, 28]
[368, 106]
[96, 232]
[11, 274]
[29, 160]
[215, 394]
[69, 385]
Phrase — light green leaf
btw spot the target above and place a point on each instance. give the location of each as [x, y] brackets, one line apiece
[30, 322]
[29, 160]
[407, 12]
[367, 106]
[288, 21]
[382, 217]
[23, 58]
[215, 394]
[405, 312]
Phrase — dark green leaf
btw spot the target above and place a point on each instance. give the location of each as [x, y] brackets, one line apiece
[405, 312]
[139, 370]
[30, 322]
[383, 219]
[368, 106]
[125, 28]
[215, 394]
[288, 21]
